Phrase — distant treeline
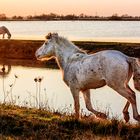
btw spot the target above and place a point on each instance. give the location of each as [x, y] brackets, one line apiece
[53, 16]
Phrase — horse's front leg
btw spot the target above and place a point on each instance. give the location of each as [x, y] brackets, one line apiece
[75, 93]
[3, 36]
[87, 99]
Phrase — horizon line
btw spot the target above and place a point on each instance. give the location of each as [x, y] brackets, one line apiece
[88, 15]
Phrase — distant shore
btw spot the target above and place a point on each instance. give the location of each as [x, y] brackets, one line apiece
[55, 17]
[94, 39]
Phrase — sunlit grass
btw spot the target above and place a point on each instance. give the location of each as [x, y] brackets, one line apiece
[22, 123]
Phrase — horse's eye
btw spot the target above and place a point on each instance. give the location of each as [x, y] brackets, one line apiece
[46, 43]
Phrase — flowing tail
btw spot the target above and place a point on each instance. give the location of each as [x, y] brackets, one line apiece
[135, 65]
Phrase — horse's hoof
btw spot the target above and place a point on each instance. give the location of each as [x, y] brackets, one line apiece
[126, 116]
[137, 118]
[77, 117]
[101, 115]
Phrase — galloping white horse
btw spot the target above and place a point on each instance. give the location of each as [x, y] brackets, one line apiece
[82, 72]
[3, 31]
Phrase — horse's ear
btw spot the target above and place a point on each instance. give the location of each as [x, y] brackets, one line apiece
[49, 36]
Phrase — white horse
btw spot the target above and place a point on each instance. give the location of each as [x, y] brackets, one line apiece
[3, 31]
[82, 72]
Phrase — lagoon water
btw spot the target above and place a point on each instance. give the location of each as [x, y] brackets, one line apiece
[53, 91]
[76, 30]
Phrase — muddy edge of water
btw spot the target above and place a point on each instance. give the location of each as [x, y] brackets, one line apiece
[22, 52]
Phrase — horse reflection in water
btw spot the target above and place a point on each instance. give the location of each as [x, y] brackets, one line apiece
[5, 70]
[3, 31]
[82, 72]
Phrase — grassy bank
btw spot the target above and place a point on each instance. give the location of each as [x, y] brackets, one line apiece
[24, 123]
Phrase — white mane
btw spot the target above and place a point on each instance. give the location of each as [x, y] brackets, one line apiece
[66, 43]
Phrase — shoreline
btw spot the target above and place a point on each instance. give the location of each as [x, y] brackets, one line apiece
[94, 39]
[22, 52]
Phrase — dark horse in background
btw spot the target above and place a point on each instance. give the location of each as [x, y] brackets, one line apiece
[3, 31]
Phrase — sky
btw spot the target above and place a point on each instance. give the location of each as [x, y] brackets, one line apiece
[88, 7]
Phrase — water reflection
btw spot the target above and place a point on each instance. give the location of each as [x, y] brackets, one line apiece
[5, 69]
[43, 87]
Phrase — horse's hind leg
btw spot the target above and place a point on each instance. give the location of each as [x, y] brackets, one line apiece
[125, 111]
[130, 96]
[86, 95]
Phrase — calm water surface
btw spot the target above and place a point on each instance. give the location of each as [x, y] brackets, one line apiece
[76, 30]
[55, 94]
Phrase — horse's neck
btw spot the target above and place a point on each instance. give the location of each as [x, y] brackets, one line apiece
[63, 56]
[8, 33]
[64, 51]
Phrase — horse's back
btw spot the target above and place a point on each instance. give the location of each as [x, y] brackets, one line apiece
[108, 59]
[3, 29]
[110, 53]
[102, 66]
[115, 67]
[113, 53]
[113, 58]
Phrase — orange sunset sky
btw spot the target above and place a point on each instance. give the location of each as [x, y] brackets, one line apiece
[88, 7]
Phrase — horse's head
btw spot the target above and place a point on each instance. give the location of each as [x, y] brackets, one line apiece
[9, 36]
[47, 50]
